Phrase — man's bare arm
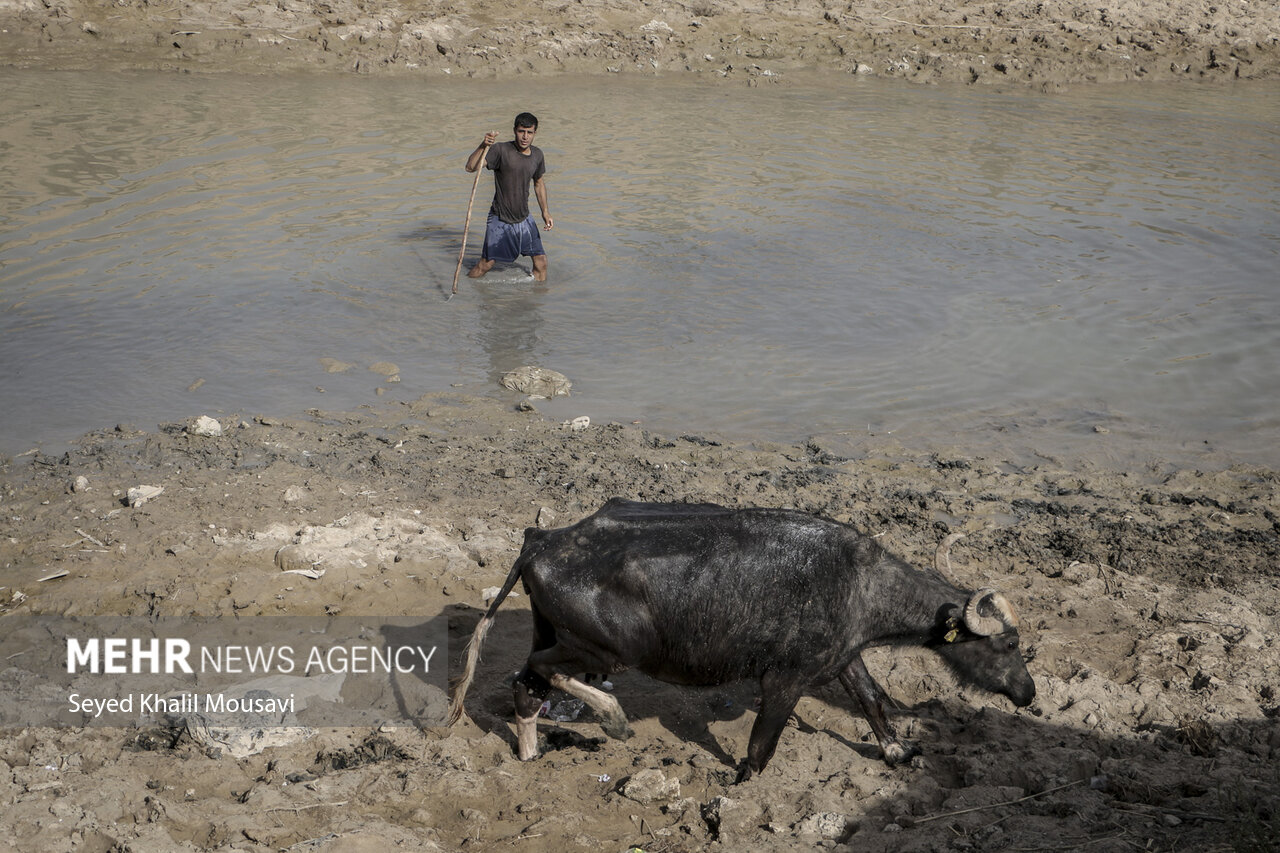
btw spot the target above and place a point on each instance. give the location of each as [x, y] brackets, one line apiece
[476, 159]
[540, 192]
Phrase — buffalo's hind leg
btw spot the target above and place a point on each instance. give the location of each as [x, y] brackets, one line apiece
[779, 693]
[557, 665]
[531, 689]
[613, 720]
[553, 665]
[871, 697]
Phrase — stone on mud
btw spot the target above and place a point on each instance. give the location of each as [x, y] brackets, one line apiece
[243, 741]
[725, 815]
[650, 786]
[139, 495]
[205, 426]
[824, 825]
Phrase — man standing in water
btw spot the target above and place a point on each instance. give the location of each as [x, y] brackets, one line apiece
[511, 231]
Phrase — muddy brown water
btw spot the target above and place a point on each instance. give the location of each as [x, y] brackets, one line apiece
[1090, 272]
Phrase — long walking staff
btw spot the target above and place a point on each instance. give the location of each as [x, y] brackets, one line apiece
[467, 225]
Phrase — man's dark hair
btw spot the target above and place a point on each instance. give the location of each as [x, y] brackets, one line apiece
[527, 120]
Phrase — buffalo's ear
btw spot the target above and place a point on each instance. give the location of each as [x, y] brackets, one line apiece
[948, 624]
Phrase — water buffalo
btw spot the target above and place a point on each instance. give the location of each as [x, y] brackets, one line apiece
[701, 594]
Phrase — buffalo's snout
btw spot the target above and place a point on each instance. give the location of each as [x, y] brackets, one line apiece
[1023, 693]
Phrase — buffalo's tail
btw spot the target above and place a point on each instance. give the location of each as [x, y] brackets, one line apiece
[477, 637]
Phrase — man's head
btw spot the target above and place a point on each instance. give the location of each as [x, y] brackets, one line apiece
[526, 125]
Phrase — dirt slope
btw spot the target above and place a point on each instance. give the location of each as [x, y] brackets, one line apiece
[1048, 44]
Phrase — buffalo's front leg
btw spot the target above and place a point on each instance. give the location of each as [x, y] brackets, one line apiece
[871, 697]
[778, 696]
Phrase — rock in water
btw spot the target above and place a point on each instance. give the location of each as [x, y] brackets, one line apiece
[537, 382]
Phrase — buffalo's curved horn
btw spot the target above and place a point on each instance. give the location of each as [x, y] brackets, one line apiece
[986, 626]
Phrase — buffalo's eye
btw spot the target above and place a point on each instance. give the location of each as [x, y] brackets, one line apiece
[1013, 644]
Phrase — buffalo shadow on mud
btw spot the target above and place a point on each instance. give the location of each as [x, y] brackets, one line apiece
[415, 688]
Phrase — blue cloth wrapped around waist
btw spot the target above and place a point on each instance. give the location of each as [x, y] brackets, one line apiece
[506, 241]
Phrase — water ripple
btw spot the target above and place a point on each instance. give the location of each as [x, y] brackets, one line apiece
[762, 262]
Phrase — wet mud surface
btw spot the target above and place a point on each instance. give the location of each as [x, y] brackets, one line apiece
[1148, 600]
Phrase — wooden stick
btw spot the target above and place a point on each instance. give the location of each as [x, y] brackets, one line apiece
[296, 809]
[467, 225]
[996, 805]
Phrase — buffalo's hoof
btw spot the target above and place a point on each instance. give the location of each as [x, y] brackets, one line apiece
[744, 773]
[896, 752]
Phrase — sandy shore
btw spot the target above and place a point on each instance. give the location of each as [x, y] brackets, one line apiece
[1048, 44]
[1149, 604]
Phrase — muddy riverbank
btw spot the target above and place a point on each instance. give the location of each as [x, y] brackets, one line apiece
[1044, 44]
[1149, 603]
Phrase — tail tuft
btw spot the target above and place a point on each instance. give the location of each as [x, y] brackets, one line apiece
[477, 637]
[469, 671]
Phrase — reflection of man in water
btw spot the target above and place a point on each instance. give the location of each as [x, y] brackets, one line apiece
[511, 231]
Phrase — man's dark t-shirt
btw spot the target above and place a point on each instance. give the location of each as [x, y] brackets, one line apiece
[513, 172]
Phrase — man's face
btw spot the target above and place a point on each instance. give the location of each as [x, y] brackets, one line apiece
[524, 137]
